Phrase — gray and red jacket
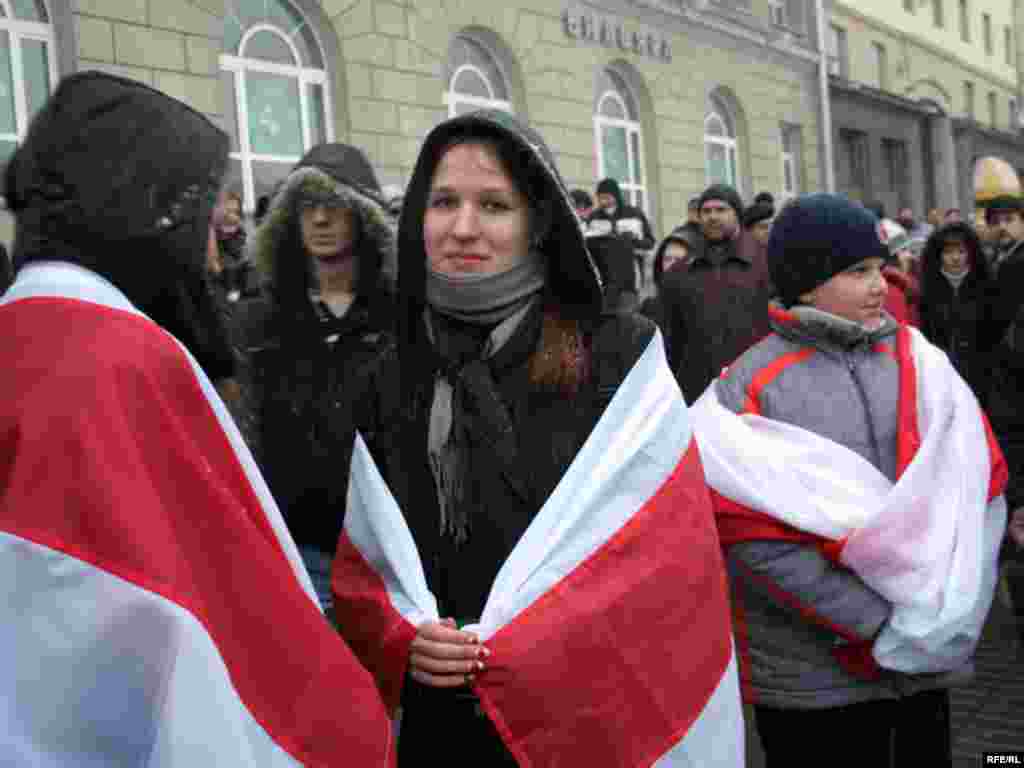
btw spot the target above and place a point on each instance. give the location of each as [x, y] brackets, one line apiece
[804, 623]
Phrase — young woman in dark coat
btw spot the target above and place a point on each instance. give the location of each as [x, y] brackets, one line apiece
[311, 343]
[501, 337]
[681, 245]
[955, 290]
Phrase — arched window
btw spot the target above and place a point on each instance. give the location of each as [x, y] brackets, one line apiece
[281, 104]
[619, 138]
[721, 150]
[28, 68]
[474, 79]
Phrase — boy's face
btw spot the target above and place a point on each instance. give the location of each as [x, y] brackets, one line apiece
[954, 257]
[857, 294]
[675, 253]
[606, 200]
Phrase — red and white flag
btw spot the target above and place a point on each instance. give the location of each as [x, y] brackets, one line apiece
[609, 622]
[156, 611]
[928, 543]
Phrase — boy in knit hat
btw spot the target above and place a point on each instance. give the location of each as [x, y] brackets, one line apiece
[858, 496]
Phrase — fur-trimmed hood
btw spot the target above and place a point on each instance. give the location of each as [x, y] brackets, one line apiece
[278, 232]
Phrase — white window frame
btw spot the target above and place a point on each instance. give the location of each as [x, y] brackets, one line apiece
[836, 41]
[790, 160]
[453, 98]
[731, 145]
[630, 189]
[20, 30]
[237, 67]
[777, 12]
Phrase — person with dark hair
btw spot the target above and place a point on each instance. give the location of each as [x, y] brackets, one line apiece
[693, 211]
[582, 202]
[154, 592]
[717, 304]
[312, 342]
[614, 216]
[490, 410]
[674, 252]
[955, 290]
[757, 218]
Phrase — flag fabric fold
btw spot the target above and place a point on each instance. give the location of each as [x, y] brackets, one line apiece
[927, 543]
[609, 622]
[157, 613]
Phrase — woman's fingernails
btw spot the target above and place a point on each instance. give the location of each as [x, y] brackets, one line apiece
[483, 652]
[470, 678]
[480, 666]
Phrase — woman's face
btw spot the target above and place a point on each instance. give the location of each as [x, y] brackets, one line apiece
[675, 253]
[954, 257]
[477, 221]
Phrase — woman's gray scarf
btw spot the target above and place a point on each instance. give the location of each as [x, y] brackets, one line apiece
[485, 299]
[470, 386]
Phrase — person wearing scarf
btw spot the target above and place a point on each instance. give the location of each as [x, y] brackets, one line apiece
[956, 288]
[504, 365]
[858, 493]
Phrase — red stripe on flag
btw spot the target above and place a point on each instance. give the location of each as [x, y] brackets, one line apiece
[111, 454]
[908, 436]
[379, 634]
[615, 663]
[1000, 475]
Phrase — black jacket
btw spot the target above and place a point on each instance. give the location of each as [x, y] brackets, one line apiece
[600, 220]
[958, 320]
[308, 367]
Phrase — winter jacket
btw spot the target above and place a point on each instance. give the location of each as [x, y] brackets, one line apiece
[614, 260]
[805, 624]
[958, 320]
[601, 222]
[308, 366]
[517, 437]
[1006, 390]
[716, 307]
[653, 308]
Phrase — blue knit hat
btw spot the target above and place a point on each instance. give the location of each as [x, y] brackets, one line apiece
[818, 236]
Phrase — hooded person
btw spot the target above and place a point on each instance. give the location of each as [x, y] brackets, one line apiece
[681, 245]
[903, 298]
[311, 342]
[614, 216]
[153, 527]
[954, 301]
[757, 219]
[480, 432]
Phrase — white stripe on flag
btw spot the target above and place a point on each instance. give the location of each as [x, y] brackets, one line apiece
[102, 672]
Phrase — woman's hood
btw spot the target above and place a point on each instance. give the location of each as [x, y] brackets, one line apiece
[689, 235]
[344, 171]
[573, 281]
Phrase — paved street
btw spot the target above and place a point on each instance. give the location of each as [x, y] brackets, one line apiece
[989, 714]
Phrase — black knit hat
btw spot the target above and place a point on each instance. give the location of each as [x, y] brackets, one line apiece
[611, 187]
[1003, 203]
[757, 212]
[816, 237]
[726, 194]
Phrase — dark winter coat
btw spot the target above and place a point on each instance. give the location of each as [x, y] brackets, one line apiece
[614, 260]
[958, 320]
[1006, 390]
[308, 367]
[653, 307]
[521, 443]
[621, 214]
[716, 307]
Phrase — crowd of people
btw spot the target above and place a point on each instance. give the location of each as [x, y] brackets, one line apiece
[473, 329]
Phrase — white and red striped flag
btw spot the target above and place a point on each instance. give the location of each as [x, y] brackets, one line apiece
[608, 624]
[156, 612]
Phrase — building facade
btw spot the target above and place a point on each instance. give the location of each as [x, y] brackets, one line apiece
[664, 95]
[920, 90]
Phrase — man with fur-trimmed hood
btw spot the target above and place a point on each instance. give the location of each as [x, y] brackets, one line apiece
[324, 245]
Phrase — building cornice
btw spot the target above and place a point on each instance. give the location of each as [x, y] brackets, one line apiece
[965, 125]
[877, 96]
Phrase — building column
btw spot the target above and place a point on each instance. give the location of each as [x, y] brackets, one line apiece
[944, 162]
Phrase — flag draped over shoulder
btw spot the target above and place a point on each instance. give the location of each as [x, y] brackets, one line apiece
[927, 543]
[155, 610]
[609, 622]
